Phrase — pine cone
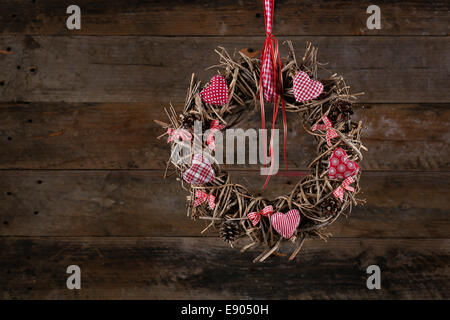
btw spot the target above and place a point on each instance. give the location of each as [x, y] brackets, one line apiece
[330, 206]
[188, 121]
[230, 231]
[341, 111]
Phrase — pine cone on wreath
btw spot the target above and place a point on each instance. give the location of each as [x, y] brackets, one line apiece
[330, 206]
[188, 121]
[230, 231]
[341, 111]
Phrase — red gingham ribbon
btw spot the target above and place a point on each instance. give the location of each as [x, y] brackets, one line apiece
[328, 126]
[215, 126]
[269, 59]
[177, 134]
[201, 197]
[339, 192]
[270, 80]
[255, 217]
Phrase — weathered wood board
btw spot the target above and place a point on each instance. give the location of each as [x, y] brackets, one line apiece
[123, 136]
[204, 268]
[158, 69]
[81, 169]
[223, 18]
[141, 203]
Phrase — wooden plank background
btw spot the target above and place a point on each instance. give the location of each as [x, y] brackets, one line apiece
[81, 168]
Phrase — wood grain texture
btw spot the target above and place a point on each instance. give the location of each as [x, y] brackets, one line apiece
[80, 168]
[141, 203]
[157, 69]
[202, 268]
[123, 136]
[223, 18]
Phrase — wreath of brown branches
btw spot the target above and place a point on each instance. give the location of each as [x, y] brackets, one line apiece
[313, 195]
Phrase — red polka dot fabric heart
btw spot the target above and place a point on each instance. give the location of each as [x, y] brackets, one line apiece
[340, 166]
[304, 88]
[285, 224]
[200, 171]
[217, 91]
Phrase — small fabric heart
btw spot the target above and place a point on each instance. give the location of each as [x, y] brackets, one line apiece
[340, 166]
[285, 224]
[305, 88]
[217, 91]
[200, 171]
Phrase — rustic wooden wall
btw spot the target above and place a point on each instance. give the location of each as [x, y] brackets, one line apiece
[81, 169]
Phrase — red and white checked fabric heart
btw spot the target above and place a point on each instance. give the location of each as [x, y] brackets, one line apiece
[285, 224]
[215, 126]
[306, 89]
[340, 167]
[339, 192]
[200, 171]
[328, 126]
[255, 217]
[201, 196]
[217, 91]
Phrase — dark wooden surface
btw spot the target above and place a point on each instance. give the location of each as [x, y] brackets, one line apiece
[123, 136]
[204, 268]
[156, 69]
[80, 167]
[140, 203]
[224, 17]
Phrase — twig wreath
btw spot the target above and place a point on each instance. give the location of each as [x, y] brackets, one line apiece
[320, 198]
[245, 82]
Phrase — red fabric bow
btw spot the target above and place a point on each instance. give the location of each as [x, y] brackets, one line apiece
[328, 126]
[201, 197]
[255, 217]
[215, 126]
[339, 192]
[177, 134]
[270, 80]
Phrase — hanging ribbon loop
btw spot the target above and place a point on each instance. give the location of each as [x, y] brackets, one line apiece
[270, 81]
[268, 15]
[269, 56]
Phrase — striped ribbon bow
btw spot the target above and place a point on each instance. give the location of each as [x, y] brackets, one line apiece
[255, 217]
[177, 134]
[201, 197]
[270, 81]
[339, 192]
[328, 126]
[215, 126]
